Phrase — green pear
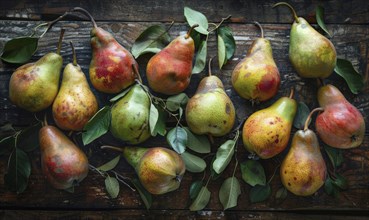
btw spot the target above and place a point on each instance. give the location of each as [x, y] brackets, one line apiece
[303, 170]
[34, 86]
[256, 77]
[159, 169]
[266, 132]
[75, 103]
[130, 116]
[169, 71]
[210, 110]
[311, 54]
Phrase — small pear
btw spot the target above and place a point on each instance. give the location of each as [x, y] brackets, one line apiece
[303, 170]
[63, 163]
[169, 71]
[159, 169]
[266, 132]
[210, 110]
[311, 54]
[130, 116]
[112, 67]
[341, 124]
[256, 77]
[75, 103]
[34, 86]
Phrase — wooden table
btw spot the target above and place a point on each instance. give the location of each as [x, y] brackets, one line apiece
[348, 23]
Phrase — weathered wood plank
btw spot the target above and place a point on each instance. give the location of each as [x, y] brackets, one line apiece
[354, 12]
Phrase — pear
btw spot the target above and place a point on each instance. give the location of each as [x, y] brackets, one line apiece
[311, 54]
[266, 132]
[256, 77]
[159, 169]
[34, 86]
[341, 124]
[112, 67]
[303, 170]
[75, 103]
[210, 110]
[63, 163]
[130, 116]
[169, 71]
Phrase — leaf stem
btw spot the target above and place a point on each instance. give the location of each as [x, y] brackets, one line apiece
[112, 148]
[50, 24]
[221, 22]
[275, 171]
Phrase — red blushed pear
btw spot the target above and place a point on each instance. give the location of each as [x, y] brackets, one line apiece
[112, 67]
[159, 169]
[341, 124]
[169, 71]
[256, 77]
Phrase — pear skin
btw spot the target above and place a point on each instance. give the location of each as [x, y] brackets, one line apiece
[340, 125]
[63, 163]
[256, 77]
[75, 103]
[169, 71]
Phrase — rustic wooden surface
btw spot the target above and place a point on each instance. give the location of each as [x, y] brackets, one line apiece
[348, 23]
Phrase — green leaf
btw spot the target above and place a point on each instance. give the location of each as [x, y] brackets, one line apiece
[253, 173]
[202, 199]
[112, 186]
[197, 143]
[27, 139]
[109, 165]
[195, 189]
[144, 194]
[177, 139]
[121, 95]
[335, 155]
[281, 193]
[19, 50]
[214, 175]
[301, 115]
[224, 155]
[160, 127]
[340, 181]
[320, 19]
[193, 163]
[226, 45]
[200, 60]
[97, 125]
[229, 192]
[153, 119]
[7, 144]
[173, 103]
[196, 36]
[260, 193]
[353, 79]
[151, 40]
[18, 171]
[194, 17]
[330, 188]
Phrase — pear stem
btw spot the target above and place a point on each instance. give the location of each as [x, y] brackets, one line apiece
[112, 148]
[85, 12]
[60, 40]
[306, 125]
[261, 28]
[189, 31]
[290, 7]
[292, 92]
[45, 121]
[135, 71]
[210, 73]
[74, 54]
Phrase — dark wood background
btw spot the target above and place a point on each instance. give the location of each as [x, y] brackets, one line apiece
[348, 22]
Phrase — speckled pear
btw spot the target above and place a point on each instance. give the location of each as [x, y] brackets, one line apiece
[311, 54]
[210, 110]
[112, 67]
[266, 132]
[34, 86]
[75, 103]
[303, 170]
[130, 116]
[159, 169]
[256, 77]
